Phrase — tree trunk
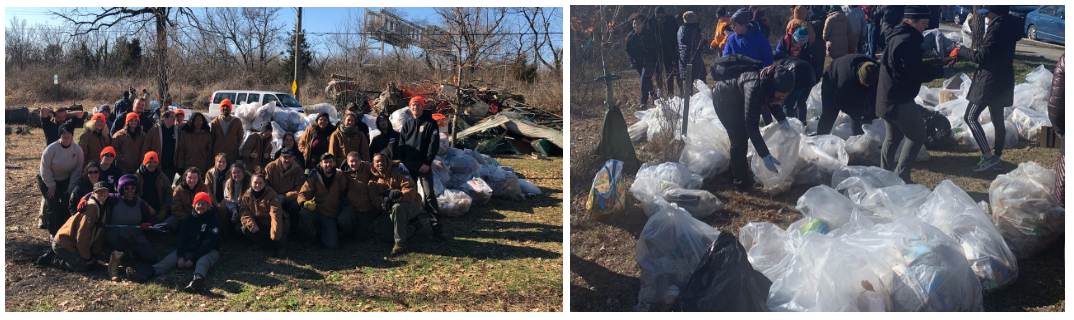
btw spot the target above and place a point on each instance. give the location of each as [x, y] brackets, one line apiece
[162, 53]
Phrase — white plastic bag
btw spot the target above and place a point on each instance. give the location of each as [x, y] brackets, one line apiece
[767, 247]
[827, 152]
[454, 203]
[399, 117]
[652, 179]
[288, 120]
[783, 144]
[333, 114]
[952, 211]
[1025, 94]
[825, 204]
[1024, 209]
[1040, 77]
[528, 188]
[1029, 122]
[478, 190]
[699, 203]
[668, 250]
[708, 149]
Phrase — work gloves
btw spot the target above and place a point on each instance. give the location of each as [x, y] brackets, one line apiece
[309, 205]
[771, 163]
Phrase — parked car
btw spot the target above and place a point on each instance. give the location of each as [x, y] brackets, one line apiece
[960, 14]
[1047, 23]
[238, 97]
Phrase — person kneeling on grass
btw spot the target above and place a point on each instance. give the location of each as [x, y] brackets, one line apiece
[76, 242]
[262, 216]
[198, 239]
[322, 208]
[393, 193]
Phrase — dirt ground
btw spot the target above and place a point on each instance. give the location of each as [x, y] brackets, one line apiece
[604, 274]
[505, 256]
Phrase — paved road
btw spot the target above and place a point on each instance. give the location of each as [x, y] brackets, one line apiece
[1047, 50]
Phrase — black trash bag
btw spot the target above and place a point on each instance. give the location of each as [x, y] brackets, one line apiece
[937, 130]
[725, 281]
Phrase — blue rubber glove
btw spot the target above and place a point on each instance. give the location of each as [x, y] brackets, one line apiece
[771, 163]
[784, 124]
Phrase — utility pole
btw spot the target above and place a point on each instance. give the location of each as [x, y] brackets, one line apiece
[298, 55]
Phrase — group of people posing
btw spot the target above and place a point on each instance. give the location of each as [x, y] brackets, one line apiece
[102, 194]
[775, 86]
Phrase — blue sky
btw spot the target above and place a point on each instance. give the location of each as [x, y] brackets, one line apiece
[315, 19]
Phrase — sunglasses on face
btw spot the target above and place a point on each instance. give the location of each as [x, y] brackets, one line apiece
[93, 172]
[129, 188]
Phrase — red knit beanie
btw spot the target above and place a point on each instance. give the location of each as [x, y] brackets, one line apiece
[151, 155]
[131, 115]
[419, 100]
[202, 196]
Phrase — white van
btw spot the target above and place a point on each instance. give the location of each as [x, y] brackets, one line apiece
[238, 97]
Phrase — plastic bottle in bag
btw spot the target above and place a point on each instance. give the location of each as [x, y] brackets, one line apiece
[669, 249]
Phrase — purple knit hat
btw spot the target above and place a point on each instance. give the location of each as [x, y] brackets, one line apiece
[128, 179]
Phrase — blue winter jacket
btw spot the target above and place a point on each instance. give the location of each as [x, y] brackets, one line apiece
[754, 45]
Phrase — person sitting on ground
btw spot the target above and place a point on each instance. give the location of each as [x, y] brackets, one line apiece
[144, 118]
[183, 196]
[238, 181]
[349, 137]
[91, 174]
[94, 139]
[315, 140]
[227, 133]
[387, 141]
[257, 151]
[359, 172]
[747, 39]
[163, 139]
[129, 143]
[216, 177]
[52, 120]
[156, 186]
[199, 238]
[392, 193]
[262, 216]
[129, 216]
[109, 171]
[321, 197]
[195, 145]
[420, 143]
[81, 237]
[286, 175]
[289, 143]
[60, 168]
[849, 86]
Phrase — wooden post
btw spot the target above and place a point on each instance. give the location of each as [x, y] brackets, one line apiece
[298, 55]
[687, 90]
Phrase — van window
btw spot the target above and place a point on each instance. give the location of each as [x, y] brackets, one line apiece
[269, 98]
[288, 101]
[254, 97]
[220, 96]
[241, 98]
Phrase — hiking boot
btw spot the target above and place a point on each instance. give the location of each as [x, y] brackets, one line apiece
[113, 265]
[399, 248]
[412, 229]
[986, 163]
[438, 231]
[140, 276]
[46, 259]
[197, 285]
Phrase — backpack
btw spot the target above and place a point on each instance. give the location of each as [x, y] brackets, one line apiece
[733, 65]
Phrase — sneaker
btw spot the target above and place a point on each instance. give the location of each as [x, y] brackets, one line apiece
[140, 276]
[399, 248]
[985, 163]
[45, 259]
[197, 285]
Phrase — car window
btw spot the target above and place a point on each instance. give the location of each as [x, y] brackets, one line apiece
[241, 98]
[1062, 13]
[220, 96]
[269, 98]
[1047, 10]
[254, 97]
[288, 101]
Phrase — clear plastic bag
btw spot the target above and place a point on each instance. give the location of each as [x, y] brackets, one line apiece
[651, 181]
[708, 149]
[827, 152]
[669, 249]
[478, 190]
[952, 211]
[1025, 94]
[825, 204]
[1010, 139]
[1029, 122]
[931, 272]
[454, 203]
[508, 189]
[333, 114]
[289, 120]
[767, 246]
[399, 117]
[463, 163]
[894, 201]
[441, 171]
[876, 177]
[783, 144]
[528, 188]
[699, 203]
[1040, 77]
[438, 187]
[1024, 210]
[444, 145]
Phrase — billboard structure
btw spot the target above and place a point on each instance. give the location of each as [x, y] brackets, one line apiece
[389, 28]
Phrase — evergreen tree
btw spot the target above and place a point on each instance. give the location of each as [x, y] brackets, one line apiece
[305, 56]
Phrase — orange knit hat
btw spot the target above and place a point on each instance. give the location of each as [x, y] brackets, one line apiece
[202, 196]
[419, 100]
[131, 115]
[108, 149]
[151, 155]
[226, 102]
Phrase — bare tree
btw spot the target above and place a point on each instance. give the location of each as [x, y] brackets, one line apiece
[475, 32]
[539, 22]
[254, 33]
[161, 18]
[19, 45]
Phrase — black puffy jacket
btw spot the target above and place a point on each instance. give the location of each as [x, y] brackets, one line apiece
[199, 234]
[993, 83]
[743, 98]
[642, 49]
[843, 72]
[421, 141]
[901, 70]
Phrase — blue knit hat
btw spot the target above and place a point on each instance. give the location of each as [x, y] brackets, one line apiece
[801, 35]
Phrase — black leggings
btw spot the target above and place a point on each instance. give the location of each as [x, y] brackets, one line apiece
[56, 208]
[973, 112]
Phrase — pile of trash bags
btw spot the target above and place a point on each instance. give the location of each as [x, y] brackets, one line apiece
[1025, 210]
[874, 243]
[1022, 120]
[669, 249]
